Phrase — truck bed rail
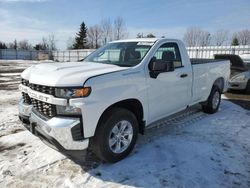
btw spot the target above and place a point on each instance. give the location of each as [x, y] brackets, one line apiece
[195, 61]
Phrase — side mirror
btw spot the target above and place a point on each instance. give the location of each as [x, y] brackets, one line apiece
[158, 66]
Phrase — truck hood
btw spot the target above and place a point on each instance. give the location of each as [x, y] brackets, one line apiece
[66, 74]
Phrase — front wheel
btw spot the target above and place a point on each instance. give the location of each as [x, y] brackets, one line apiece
[116, 135]
[213, 101]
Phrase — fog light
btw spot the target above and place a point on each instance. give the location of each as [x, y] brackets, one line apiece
[68, 110]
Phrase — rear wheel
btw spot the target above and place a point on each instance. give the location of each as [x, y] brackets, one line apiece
[116, 135]
[213, 101]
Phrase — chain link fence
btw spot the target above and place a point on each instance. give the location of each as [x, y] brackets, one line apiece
[207, 52]
[12, 54]
[71, 55]
[77, 55]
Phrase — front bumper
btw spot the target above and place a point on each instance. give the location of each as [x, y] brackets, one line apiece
[57, 132]
[24, 109]
[237, 85]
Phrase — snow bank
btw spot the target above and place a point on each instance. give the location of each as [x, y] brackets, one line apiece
[25, 61]
[193, 150]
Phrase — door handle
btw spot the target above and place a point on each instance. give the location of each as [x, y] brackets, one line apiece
[183, 75]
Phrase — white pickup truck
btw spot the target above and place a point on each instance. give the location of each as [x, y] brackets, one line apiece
[115, 93]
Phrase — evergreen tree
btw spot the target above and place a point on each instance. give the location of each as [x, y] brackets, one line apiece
[139, 35]
[15, 44]
[150, 35]
[3, 45]
[81, 38]
[235, 42]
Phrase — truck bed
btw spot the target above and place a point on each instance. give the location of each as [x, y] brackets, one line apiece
[204, 72]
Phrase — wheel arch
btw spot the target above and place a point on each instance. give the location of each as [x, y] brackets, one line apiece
[220, 83]
[133, 105]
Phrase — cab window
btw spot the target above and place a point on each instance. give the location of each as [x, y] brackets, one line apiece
[169, 52]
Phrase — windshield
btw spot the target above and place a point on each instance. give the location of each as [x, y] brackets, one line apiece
[125, 54]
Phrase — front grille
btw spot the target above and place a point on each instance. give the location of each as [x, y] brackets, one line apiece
[43, 89]
[25, 82]
[46, 109]
[26, 98]
[49, 110]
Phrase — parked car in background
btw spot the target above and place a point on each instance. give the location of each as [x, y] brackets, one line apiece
[245, 57]
[240, 72]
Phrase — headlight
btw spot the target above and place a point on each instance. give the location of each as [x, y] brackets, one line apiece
[239, 78]
[73, 92]
[68, 110]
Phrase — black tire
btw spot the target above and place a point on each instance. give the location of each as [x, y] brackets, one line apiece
[100, 142]
[248, 87]
[209, 107]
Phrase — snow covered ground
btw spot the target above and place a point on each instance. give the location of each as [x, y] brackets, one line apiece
[191, 150]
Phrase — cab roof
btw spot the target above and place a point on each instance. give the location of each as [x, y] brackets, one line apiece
[151, 40]
[137, 40]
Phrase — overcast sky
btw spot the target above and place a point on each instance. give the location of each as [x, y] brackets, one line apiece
[34, 19]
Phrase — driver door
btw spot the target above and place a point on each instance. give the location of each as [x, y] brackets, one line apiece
[168, 93]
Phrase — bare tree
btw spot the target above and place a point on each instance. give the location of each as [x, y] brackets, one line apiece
[106, 27]
[24, 45]
[194, 36]
[52, 41]
[120, 30]
[94, 35]
[45, 44]
[90, 38]
[70, 43]
[244, 37]
[190, 37]
[220, 37]
[204, 38]
[12, 45]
